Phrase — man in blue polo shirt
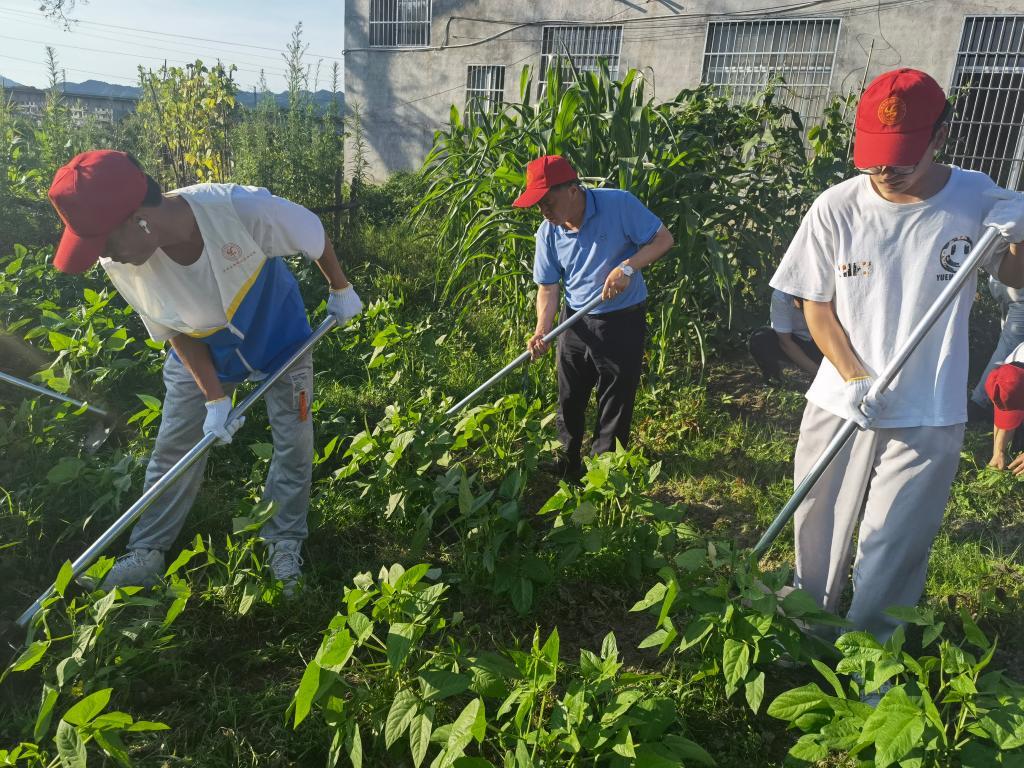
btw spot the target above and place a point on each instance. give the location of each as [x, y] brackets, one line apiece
[593, 242]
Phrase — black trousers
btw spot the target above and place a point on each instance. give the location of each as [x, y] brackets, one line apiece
[604, 351]
[768, 354]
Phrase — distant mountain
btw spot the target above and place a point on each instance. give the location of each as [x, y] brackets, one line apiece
[100, 88]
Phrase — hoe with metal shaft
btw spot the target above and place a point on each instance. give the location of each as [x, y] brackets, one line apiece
[157, 489]
[985, 247]
[98, 433]
[550, 336]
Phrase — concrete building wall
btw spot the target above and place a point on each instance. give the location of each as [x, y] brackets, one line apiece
[404, 95]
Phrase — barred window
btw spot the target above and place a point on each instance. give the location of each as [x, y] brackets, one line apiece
[742, 57]
[585, 45]
[988, 89]
[485, 88]
[400, 23]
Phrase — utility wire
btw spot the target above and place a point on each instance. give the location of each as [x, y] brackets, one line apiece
[173, 34]
[149, 45]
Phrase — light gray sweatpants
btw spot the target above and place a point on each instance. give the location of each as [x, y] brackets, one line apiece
[896, 482]
[181, 427]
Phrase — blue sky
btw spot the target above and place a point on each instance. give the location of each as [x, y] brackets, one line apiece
[113, 37]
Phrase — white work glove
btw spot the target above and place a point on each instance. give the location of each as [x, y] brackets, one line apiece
[1006, 214]
[862, 409]
[217, 412]
[344, 304]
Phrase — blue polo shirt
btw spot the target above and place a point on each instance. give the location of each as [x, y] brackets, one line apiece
[615, 226]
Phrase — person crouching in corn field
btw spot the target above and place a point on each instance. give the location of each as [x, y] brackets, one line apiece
[592, 242]
[870, 258]
[201, 265]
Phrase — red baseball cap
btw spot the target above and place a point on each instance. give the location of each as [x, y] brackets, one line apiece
[541, 175]
[1005, 387]
[94, 194]
[895, 118]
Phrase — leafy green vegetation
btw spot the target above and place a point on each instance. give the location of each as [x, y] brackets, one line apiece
[462, 607]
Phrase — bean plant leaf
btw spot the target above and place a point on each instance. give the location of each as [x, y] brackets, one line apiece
[70, 746]
[420, 728]
[63, 578]
[735, 663]
[308, 687]
[87, 709]
[399, 643]
[754, 691]
[438, 684]
[110, 742]
[895, 727]
[799, 701]
[31, 656]
[403, 709]
[49, 699]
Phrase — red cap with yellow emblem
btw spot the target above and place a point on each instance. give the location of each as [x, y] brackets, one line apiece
[541, 175]
[896, 117]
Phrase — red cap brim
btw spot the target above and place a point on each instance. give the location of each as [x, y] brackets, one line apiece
[1007, 419]
[530, 197]
[76, 254]
[873, 149]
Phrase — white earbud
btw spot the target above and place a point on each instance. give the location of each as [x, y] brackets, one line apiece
[144, 226]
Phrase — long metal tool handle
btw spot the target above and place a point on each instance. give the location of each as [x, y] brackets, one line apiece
[553, 333]
[50, 393]
[982, 251]
[157, 489]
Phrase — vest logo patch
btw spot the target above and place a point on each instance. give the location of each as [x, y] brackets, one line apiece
[231, 251]
[951, 256]
[855, 269]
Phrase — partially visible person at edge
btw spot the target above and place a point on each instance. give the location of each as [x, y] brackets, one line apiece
[1004, 387]
[870, 259]
[1011, 335]
[787, 342]
[201, 265]
[592, 242]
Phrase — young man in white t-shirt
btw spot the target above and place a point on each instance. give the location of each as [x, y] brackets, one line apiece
[871, 256]
[1004, 387]
[201, 265]
[787, 342]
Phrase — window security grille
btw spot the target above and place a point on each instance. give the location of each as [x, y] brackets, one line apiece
[400, 23]
[485, 88]
[585, 45]
[741, 57]
[988, 85]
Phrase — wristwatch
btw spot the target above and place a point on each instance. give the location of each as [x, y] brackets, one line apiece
[627, 270]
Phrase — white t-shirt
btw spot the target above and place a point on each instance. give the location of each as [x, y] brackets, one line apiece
[885, 265]
[279, 227]
[786, 317]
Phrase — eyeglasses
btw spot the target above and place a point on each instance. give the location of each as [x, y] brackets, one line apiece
[895, 170]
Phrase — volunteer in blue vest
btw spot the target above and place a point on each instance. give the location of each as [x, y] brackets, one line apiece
[202, 266]
[592, 242]
[870, 259]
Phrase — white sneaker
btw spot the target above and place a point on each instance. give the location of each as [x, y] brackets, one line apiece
[286, 563]
[136, 568]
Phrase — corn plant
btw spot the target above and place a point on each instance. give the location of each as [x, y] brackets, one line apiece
[726, 180]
